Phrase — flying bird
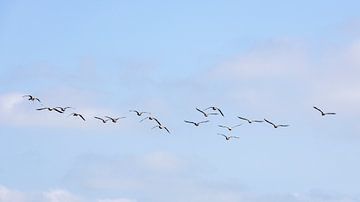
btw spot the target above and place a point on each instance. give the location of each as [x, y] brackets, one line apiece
[114, 120]
[206, 114]
[77, 115]
[322, 113]
[196, 123]
[139, 113]
[161, 127]
[32, 98]
[250, 121]
[215, 109]
[101, 119]
[274, 125]
[151, 118]
[49, 109]
[227, 137]
[229, 128]
[63, 109]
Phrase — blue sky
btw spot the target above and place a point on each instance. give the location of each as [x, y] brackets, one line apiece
[260, 59]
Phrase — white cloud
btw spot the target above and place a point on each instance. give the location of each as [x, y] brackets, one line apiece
[7, 195]
[60, 196]
[117, 200]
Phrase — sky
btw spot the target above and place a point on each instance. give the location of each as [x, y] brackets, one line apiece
[258, 59]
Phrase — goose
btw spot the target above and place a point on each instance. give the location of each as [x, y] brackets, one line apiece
[138, 113]
[101, 119]
[161, 127]
[322, 113]
[228, 137]
[114, 120]
[151, 118]
[215, 109]
[49, 109]
[275, 126]
[196, 123]
[206, 114]
[32, 98]
[250, 121]
[79, 115]
[63, 109]
[229, 128]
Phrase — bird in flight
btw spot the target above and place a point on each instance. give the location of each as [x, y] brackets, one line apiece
[323, 113]
[151, 118]
[114, 120]
[101, 119]
[274, 125]
[139, 113]
[32, 98]
[63, 109]
[79, 115]
[206, 114]
[49, 109]
[227, 137]
[161, 127]
[196, 123]
[215, 109]
[250, 121]
[229, 128]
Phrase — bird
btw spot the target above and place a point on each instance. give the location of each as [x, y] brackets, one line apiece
[322, 113]
[196, 123]
[215, 109]
[139, 113]
[229, 128]
[206, 114]
[151, 118]
[161, 127]
[101, 119]
[32, 98]
[250, 121]
[275, 126]
[49, 109]
[79, 115]
[63, 109]
[228, 137]
[114, 120]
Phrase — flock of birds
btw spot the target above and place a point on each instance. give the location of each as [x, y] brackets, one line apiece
[210, 111]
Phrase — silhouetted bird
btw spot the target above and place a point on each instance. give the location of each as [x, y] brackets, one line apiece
[63, 109]
[161, 127]
[322, 113]
[32, 98]
[275, 126]
[206, 114]
[77, 115]
[114, 120]
[229, 128]
[49, 109]
[139, 113]
[250, 121]
[196, 123]
[227, 137]
[215, 109]
[151, 119]
[101, 119]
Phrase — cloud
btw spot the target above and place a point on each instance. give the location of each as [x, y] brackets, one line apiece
[7, 195]
[117, 200]
[60, 196]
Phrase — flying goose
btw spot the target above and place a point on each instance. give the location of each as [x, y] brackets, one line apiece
[215, 109]
[63, 109]
[161, 127]
[275, 126]
[79, 115]
[49, 109]
[114, 120]
[139, 113]
[227, 137]
[151, 118]
[101, 119]
[32, 98]
[206, 114]
[250, 121]
[229, 128]
[322, 113]
[196, 123]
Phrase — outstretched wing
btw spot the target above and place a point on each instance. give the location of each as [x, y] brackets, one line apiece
[220, 111]
[330, 113]
[242, 118]
[203, 121]
[221, 126]
[283, 125]
[222, 135]
[100, 119]
[190, 122]
[81, 117]
[236, 125]
[167, 129]
[234, 137]
[201, 111]
[39, 109]
[269, 122]
[318, 109]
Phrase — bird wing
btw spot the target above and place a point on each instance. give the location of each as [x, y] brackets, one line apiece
[330, 113]
[57, 110]
[283, 125]
[222, 135]
[257, 121]
[99, 118]
[318, 109]
[212, 114]
[236, 126]
[234, 137]
[42, 108]
[143, 119]
[81, 117]
[201, 111]
[189, 122]
[269, 122]
[167, 129]
[220, 111]
[242, 118]
[221, 126]
[203, 121]
[157, 121]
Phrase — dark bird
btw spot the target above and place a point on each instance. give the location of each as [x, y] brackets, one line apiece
[49, 109]
[63, 109]
[215, 109]
[275, 126]
[196, 123]
[229, 128]
[101, 119]
[79, 115]
[32, 98]
[250, 121]
[227, 137]
[151, 119]
[206, 114]
[139, 113]
[161, 127]
[322, 113]
[114, 120]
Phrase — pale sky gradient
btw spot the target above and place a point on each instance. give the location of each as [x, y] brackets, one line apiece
[259, 59]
